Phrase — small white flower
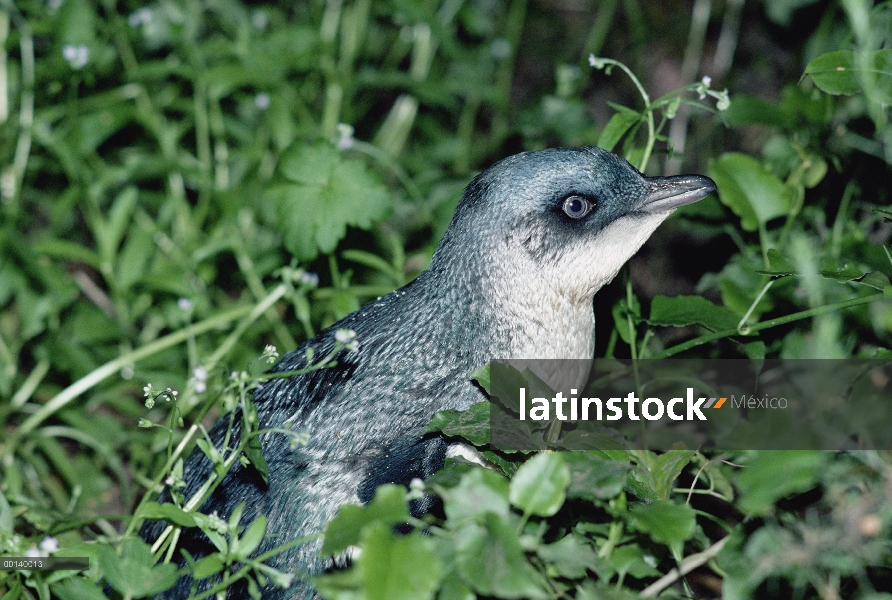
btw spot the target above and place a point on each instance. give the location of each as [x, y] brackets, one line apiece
[76, 55]
[185, 304]
[270, 353]
[259, 19]
[217, 524]
[49, 545]
[200, 387]
[262, 100]
[141, 16]
[127, 372]
[150, 402]
[200, 373]
[309, 278]
[148, 390]
[33, 552]
[345, 136]
[344, 336]
[169, 480]
[707, 80]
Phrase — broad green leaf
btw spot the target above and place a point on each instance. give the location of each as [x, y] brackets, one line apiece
[397, 567]
[324, 193]
[490, 558]
[840, 72]
[666, 522]
[774, 474]
[593, 477]
[740, 282]
[661, 470]
[779, 266]
[482, 377]
[751, 191]
[471, 424]
[629, 559]
[688, 310]
[569, 556]
[77, 588]
[207, 566]
[617, 127]
[389, 506]
[540, 485]
[480, 491]
[134, 573]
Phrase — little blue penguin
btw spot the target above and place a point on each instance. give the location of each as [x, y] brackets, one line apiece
[533, 238]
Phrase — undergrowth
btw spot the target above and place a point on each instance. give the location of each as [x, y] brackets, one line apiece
[187, 187]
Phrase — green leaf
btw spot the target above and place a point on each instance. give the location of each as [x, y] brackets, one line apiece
[666, 522]
[388, 506]
[775, 474]
[659, 471]
[6, 518]
[110, 231]
[77, 588]
[630, 559]
[480, 491]
[471, 425]
[569, 556]
[489, 557]
[251, 539]
[208, 566]
[67, 250]
[779, 265]
[617, 127]
[324, 193]
[168, 512]
[134, 258]
[680, 311]
[134, 573]
[397, 567]
[751, 191]
[843, 274]
[540, 485]
[593, 477]
[874, 279]
[841, 72]
[481, 376]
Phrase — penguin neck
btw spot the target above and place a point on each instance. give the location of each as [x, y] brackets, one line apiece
[515, 313]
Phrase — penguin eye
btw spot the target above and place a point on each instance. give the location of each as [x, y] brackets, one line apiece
[577, 207]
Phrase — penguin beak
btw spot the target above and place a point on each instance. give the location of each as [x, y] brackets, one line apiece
[668, 193]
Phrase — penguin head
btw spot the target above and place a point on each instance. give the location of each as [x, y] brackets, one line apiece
[568, 216]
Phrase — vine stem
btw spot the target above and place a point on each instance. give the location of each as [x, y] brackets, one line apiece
[648, 108]
[805, 314]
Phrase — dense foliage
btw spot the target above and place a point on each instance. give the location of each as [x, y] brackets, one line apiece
[189, 188]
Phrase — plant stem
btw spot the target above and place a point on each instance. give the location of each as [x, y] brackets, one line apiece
[805, 314]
